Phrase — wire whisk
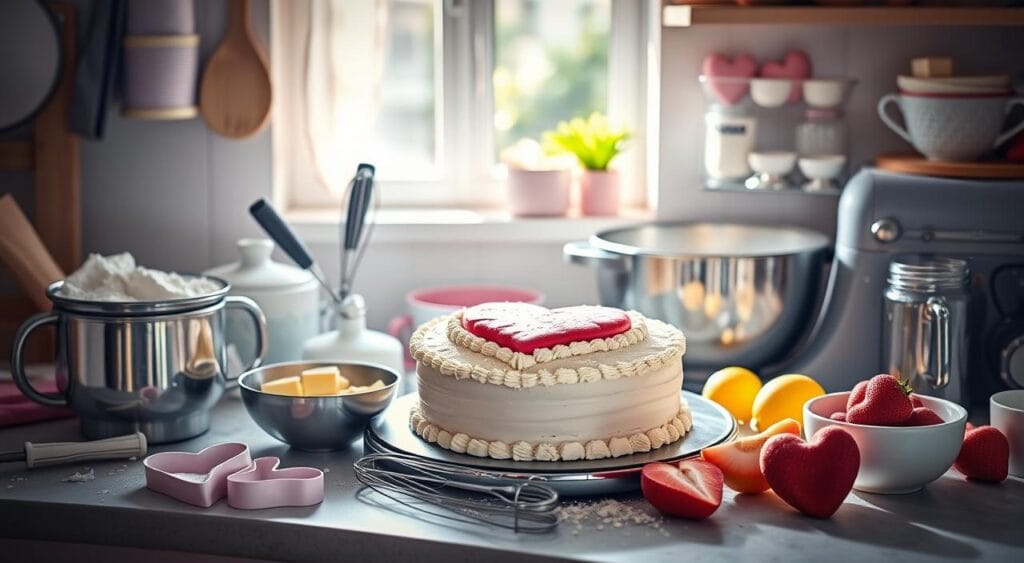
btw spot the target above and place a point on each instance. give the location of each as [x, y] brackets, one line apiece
[469, 495]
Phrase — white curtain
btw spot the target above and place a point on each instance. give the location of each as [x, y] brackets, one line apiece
[327, 58]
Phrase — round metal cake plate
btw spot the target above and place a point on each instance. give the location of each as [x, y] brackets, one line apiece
[390, 433]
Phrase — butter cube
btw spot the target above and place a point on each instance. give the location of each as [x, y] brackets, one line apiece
[364, 388]
[290, 386]
[326, 380]
[932, 67]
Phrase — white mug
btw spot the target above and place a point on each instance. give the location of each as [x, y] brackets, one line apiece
[1006, 411]
[952, 128]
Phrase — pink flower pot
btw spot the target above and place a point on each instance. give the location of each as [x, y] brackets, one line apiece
[599, 192]
[538, 192]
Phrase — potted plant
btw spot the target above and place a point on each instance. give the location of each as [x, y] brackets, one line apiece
[538, 185]
[594, 143]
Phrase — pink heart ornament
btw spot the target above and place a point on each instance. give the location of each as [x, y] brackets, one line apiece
[796, 65]
[263, 485]
[196, 478]
[728, 77]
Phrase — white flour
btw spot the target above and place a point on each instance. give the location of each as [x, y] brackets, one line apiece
[118, 278]
[610, 514]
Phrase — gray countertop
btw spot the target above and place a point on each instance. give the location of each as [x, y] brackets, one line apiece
[950, 519]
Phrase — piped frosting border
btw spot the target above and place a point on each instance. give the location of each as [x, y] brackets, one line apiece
[516, 379]
[518, 360]
[616, 446]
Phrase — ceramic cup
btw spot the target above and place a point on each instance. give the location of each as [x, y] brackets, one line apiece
[952, 128]
[429, 303]
[1006, 410]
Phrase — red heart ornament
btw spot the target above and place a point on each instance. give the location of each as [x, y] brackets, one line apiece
[729, 77]
[524, 327]
[796, 65]
[814, 477]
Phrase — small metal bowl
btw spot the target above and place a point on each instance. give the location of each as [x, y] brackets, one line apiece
[318, 423]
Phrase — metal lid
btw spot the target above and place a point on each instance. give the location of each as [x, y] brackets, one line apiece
[709, 240]
[138, 308]
[927, 273]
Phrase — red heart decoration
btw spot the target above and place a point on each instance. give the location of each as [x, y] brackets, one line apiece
[796, 65]
[717, 65]
[813, 477]
[524, 327]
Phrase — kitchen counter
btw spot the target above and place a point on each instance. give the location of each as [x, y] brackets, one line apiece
[951, 518]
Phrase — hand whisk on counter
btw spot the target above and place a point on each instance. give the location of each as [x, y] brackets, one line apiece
[472, 495]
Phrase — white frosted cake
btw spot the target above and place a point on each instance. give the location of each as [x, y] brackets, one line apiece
[517, 381]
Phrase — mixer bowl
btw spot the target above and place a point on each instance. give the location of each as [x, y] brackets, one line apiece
[741, 294]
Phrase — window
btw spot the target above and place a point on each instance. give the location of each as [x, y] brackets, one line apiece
[431, 91]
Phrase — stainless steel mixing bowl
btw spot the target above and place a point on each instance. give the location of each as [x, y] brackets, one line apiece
[741, 294]
[321, 423]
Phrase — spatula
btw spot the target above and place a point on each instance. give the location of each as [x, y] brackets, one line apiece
[235, 93]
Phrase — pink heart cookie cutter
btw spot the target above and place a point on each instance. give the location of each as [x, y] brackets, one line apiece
[228, 470]
[196, 478]
[263, 485]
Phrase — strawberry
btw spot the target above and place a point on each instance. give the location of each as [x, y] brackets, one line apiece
[690, 489]
[814, 477]
[969, 427]
[984, 455]
[916, 401]
[886, 402]
[856, 394]
[923, 416]
[838, 416]
[740, 460]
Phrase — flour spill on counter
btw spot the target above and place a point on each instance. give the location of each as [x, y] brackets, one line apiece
[83, 476]
[119, 278]
[610, 514]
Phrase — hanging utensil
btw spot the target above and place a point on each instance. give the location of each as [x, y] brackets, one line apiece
[354, 241]
[235, 93]
[289, 242]
[472, 496]
[57, 453]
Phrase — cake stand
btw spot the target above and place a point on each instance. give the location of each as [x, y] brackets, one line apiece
[390, 433]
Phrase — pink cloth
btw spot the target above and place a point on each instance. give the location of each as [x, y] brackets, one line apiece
[16, 408]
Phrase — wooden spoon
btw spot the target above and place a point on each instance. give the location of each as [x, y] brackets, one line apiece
[25, 255]
[235, 93]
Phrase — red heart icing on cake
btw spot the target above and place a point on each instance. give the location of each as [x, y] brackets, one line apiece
[525, 328]
[723, 72]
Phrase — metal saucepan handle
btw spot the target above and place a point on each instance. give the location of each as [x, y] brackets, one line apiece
[258, 319]
[585, 254]
[938, 313]
[18, 362]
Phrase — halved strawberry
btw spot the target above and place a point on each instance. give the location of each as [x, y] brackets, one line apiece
[839, 416]
[739, 460]
[689, 489]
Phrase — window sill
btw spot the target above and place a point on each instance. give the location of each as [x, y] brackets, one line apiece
[461, 226]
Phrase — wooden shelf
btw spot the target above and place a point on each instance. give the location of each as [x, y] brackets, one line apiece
[679, 15]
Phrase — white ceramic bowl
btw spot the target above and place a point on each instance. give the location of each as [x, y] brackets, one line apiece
[895, 460]
[826, 166]
[770, 92]
[824, 92]
[775, 163]
[994, 84]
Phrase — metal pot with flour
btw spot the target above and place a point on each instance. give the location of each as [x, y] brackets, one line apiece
[153, 365]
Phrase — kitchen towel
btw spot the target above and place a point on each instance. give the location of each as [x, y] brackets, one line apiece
[16, 408]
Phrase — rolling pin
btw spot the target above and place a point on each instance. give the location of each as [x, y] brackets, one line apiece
[25, 255]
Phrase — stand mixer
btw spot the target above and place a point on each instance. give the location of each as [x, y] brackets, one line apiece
[885, 215]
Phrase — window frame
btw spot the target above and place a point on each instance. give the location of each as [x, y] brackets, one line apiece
[467, 175]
